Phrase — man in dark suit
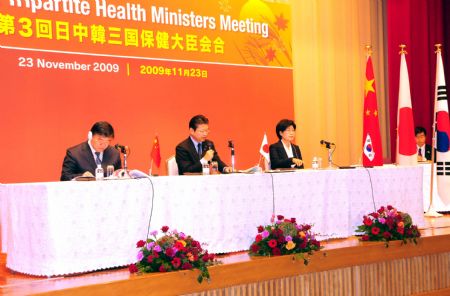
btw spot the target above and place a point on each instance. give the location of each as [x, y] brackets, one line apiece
[82, 159]
[284, 153]
[196, 150]
[423, 149]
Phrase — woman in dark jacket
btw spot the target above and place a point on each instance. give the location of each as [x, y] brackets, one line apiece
[285, 154]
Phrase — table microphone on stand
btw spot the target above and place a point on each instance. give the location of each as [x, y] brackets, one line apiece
[231, 146]
[125, 150]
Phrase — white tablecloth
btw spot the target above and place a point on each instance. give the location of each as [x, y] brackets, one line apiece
[69, 227]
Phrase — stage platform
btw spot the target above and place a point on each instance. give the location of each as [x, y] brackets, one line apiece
[343, 267]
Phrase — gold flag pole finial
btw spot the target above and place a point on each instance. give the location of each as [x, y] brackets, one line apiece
[438, 47]
[402, 49]
[369, 50]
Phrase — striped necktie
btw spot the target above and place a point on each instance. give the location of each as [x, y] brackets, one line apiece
[97, 158]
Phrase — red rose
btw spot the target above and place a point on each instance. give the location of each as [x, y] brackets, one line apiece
[389, 207]
[179, 246]
[164, 229]
[316, 243]
[367, 221]
[386, 235]
[140, 244]
[281, 239]
[211, 257]
[401, 230]
[293, 220]
[255, 248]
[258, 238]
[155, 254]
[365, 237]
[162, 268]
[303, 244]
[260, 229]
[186, 265]
[133, 268]
[280, 217]
[170, 252]
[375, 215]
[176, 262]
[375, 231]
[150, 259]
[399, 218]
[381, 210]
[276, 252]
[272, 243]
[205, 258]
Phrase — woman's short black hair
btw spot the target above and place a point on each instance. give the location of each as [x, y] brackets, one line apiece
[283, 125]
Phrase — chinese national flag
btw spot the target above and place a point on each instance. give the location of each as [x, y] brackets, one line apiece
[156, 152]
[372, 149]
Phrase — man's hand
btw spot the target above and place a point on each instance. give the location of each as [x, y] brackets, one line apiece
[209, 155]
[297, 162]
[227, 169]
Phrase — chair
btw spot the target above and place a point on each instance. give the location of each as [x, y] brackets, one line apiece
[172, 167]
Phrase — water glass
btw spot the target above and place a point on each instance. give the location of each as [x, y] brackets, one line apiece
[109, 170]
[206, 169]
[214, 168]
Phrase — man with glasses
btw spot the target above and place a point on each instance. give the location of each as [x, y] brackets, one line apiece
[82, 159]
[196, 150]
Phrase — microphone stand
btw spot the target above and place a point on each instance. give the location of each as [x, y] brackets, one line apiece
[231, 145]
[330, 155]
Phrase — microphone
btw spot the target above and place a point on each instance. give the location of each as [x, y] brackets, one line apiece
[123, 149]
[328, 144]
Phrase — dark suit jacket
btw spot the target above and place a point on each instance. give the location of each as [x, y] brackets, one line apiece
[79, 159]
[428, 151]
[188, 160]
[279, 158]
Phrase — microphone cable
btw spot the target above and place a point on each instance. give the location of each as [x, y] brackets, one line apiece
[152, 203]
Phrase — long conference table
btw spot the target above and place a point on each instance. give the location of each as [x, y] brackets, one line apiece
[61, 228]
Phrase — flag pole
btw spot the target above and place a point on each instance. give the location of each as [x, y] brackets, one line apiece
[431, 211]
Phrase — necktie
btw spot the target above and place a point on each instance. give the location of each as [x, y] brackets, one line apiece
[97, 158]
[199, 149]
[420, 151]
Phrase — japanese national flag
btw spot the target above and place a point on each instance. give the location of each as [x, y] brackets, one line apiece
[264, 150]
[442, 134]
[406, 142]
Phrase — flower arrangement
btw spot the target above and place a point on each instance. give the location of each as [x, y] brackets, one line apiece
[388, 224]
[172, 251]
[284, 237]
